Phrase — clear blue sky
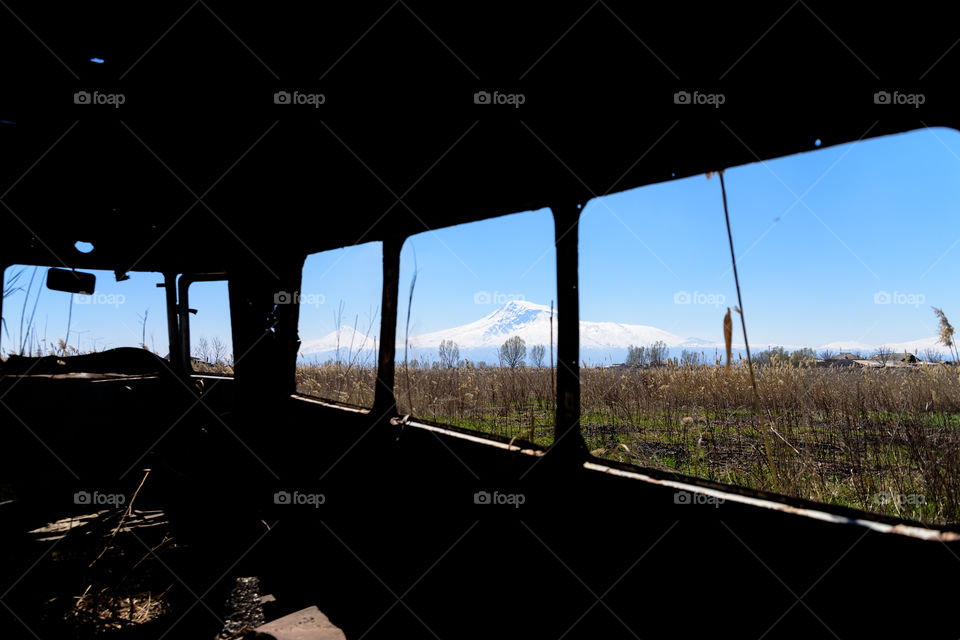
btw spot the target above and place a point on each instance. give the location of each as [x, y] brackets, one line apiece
[872, 217]
[467, 271]
[876, 216]
[351, 276]
[113, 316]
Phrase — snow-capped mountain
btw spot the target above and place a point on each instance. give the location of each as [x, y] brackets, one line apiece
[348, 340]
[516, 318]
[599, 341]
[531, 322]
[918, 346]
[910, 346]
[848, 346]
[480, 340]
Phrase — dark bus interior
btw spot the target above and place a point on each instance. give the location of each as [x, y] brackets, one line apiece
[199, 174]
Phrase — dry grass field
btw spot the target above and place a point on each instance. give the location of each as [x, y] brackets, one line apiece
[886, 440]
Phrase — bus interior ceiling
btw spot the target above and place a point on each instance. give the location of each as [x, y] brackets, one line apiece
[200, 171]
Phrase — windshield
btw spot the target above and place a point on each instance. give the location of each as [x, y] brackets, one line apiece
[38, 321]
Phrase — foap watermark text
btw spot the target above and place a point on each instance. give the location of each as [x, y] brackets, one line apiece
[908, 99]
[511, 99]
[299, 98]
[498, 498]
[298, 498]
[95, 498]
[899, 499]
[709, 99]
[109, 299]
[302, 299]
[485, 297]
[685, 497]
[99, 98]
[898, 297]
[697, 297]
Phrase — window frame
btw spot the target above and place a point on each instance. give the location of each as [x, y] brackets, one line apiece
[183, 311]
[382, 401]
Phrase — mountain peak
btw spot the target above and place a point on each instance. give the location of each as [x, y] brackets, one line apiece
[346, 339]
[513, 306]
[514, 316]
[532, 322]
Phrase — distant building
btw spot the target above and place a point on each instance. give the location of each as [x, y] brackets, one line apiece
[841, 360]
[896, 359]
[887, 360]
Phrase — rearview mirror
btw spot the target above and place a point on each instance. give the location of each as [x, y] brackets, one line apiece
[71, 281]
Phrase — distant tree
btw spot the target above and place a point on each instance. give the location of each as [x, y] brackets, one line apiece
[882, 354]
[449, 354]
[658, 352]
[800, 356]
[202, 350]
[826, 354]
[218, 350]
[772, 355]
[513, 352]
[689, 357]
[636, 356]
[779, 354]
[931, 355]
[537, 353]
